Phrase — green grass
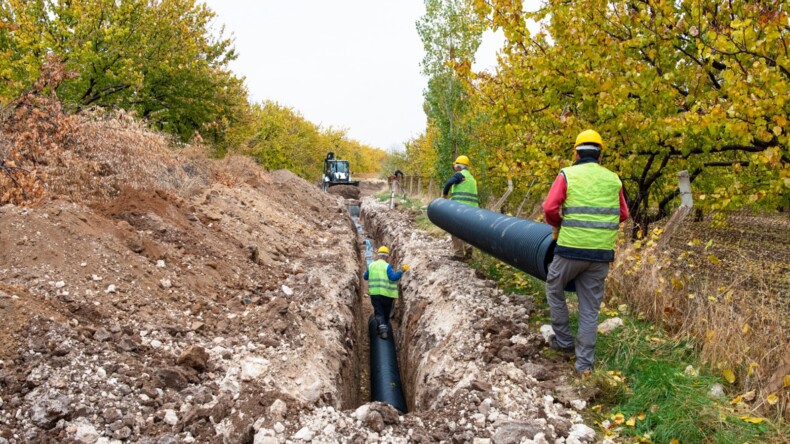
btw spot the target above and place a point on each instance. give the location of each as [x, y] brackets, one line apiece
[416, 207]
[675, 406]
[640, 374]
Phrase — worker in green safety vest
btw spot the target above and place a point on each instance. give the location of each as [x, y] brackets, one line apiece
[383, 288]
[585, 207]
[462, 188]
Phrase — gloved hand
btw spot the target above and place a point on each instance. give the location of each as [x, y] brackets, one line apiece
[404, 267]
[555, 232]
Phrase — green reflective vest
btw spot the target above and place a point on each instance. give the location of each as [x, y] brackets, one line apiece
[591, 211]
[466, 191]
[379, 284]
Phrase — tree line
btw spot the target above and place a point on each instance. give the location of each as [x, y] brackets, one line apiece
[161, 59]
[701, 85]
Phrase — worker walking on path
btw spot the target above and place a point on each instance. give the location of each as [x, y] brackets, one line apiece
[383, 288]
[585, 207]
[462, 188]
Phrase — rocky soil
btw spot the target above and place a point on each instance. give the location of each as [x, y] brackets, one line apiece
[153, 318]
[236, 313]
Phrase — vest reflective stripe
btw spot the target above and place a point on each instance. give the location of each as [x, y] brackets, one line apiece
[379, 284]
[466, 191]
[591, 211]
[590, 224]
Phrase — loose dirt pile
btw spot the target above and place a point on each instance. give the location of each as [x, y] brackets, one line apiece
[153, 317]
[167, 298]
[345, 191]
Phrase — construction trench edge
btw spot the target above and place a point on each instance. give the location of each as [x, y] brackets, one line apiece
[253, 329]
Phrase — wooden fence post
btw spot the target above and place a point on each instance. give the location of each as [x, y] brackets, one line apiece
[684, 185]
[686, 203]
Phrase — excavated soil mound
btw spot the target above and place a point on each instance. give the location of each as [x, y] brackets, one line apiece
[157, 296]
[154, 318]
[345, 191]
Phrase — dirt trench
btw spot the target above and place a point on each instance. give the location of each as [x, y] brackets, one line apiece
[239, 316]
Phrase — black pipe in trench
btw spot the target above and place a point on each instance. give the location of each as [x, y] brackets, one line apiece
[385, 382]
[522, 243]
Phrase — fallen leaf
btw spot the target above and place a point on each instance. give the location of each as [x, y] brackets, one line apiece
[752, 419]
[729, 376]
[772, 399]
[631, 422]
[642, 416]
[749, 396]
[618, 418]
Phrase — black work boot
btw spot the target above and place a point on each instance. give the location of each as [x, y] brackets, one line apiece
[567, 351]
[383, 331]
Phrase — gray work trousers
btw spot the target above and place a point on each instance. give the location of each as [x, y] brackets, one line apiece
[460, 248]
[589, 280]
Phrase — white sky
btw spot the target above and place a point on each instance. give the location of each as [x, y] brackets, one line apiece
[352, 64]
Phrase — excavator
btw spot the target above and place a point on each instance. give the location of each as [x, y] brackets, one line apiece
[336, 172]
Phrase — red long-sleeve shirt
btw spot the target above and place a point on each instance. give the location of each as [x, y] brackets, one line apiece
[552, 206]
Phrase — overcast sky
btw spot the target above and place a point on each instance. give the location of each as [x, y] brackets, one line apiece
[352, 64]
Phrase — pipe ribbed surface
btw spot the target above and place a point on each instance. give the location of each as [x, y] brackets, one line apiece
[385, 383]
[522, 243]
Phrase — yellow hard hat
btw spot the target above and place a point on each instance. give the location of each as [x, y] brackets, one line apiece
[463, 160]
[588, 136]
[383, 249]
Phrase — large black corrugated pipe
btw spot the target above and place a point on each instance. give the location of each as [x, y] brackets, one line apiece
[385, 383]
[522, 243]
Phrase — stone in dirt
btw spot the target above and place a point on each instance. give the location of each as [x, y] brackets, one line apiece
[304, 434]
[48, 408]
[581, 433]
[514, 432]
[389, 414]
[278, 409]
[609, 325]
[83, 431]
[172, 377]
[195, 356]
[374, 421]
[252, 367]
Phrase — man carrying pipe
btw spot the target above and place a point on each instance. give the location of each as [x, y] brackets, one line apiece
[383, 288]
[462, 188]
[584, 207]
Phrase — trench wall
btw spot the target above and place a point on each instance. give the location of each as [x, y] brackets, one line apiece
[452, 327]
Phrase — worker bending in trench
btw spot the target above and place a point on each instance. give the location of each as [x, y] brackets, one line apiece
[383, 288]
[584, 207]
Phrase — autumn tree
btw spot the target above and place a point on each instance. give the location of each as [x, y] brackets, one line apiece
[699, 86]
[158, 58]
[280, 137]
[451, 33]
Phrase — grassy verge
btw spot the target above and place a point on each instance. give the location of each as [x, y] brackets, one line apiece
[650, 387]
[416, 207]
